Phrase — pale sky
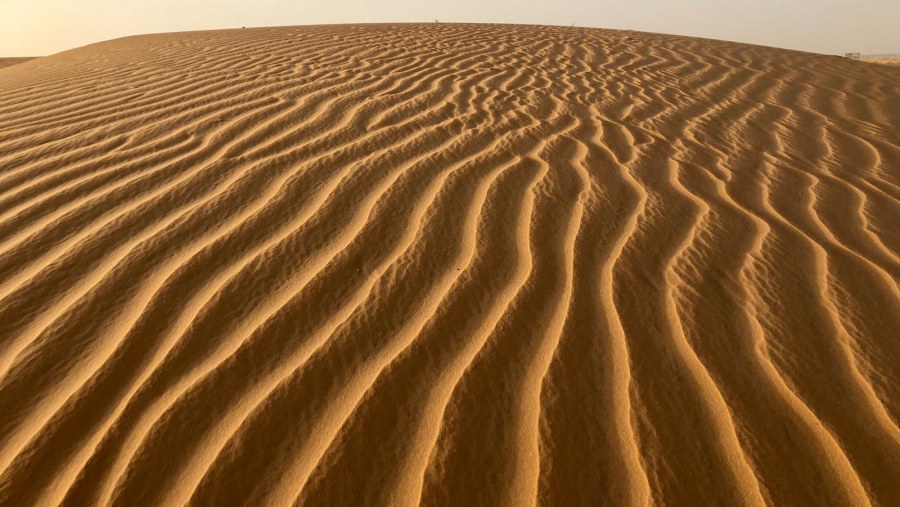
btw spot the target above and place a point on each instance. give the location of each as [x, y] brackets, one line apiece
[42, 27]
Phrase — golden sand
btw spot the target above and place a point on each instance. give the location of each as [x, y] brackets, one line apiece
[448, 265]
[8, 62]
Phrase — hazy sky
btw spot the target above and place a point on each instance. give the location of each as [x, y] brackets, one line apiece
[41, 27]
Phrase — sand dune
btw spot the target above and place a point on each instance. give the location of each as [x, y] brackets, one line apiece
[448, 265]
[8, 62]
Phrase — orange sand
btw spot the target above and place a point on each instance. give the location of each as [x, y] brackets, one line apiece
[448, 265]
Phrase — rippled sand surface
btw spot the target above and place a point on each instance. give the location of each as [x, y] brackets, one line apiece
[448, 265]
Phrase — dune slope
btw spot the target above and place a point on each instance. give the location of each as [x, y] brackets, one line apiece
[448, 265]
[8, 62]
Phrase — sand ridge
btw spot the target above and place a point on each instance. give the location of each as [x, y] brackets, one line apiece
[448, 264]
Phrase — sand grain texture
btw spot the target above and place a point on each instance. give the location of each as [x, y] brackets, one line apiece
[448, 265]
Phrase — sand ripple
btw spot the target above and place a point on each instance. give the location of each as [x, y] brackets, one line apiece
[448, 265]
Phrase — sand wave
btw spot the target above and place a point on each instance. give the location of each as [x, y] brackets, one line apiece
[444, 264]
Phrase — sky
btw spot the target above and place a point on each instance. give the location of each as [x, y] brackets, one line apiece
[43, 27]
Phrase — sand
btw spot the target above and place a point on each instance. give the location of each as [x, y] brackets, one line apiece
[8, 62]
[448, 265]
[887, 60]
